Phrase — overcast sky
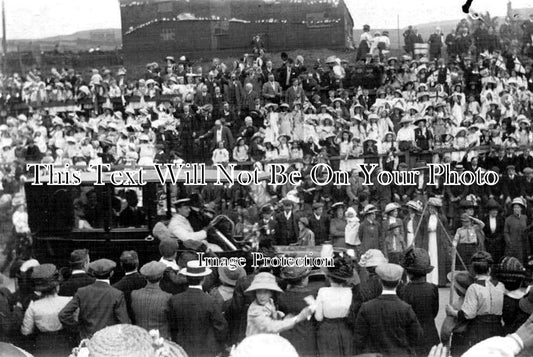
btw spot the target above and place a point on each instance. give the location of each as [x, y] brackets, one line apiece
[44, 18]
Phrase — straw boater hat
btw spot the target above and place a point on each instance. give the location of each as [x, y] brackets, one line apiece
[264, 281]
[195, 269]
[416, 261]
[128, 340]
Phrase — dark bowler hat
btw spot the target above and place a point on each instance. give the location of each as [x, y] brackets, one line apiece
[101, 267]
[153, 270]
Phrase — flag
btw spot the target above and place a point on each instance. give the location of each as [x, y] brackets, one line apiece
[500, 62]
[518, 68]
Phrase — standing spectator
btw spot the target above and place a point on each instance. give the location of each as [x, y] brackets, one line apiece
[527, 32]
[516, 244]
[223, 294]
[271, 91]
[149, 305]
[387, 325]
[364, 43]
[422, 296]
[337, 225]
[469, 237]
[132, 280]
[409, 40]
[286, 231]
[303, 335]
[494, 230]
[99, 304]
[483, 303]
[450, 44]
[41, 317]
[334, 335]
[370, 230]
[319, 223]
[435, 44]
[78, 277]
[511, 273]
[306, 238]
[196, 321]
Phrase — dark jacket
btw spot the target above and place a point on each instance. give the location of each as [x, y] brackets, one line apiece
[72, 284]
[494, 240]
[196, 323]
[320, 228]
[150, 309]
[127, 284]
[100, 305]
[286, 230]
[387, 325]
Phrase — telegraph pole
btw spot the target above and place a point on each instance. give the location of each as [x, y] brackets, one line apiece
[4, 40]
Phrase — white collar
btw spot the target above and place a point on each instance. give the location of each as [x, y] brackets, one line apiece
[130, 273]
[78, 271]
[388, 292]
[196, 287]
[104, 281]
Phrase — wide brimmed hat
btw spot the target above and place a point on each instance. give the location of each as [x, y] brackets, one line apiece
[230, 276]
[435, 202]
[372, 258]
[195, 269]
[391, 207]
[519, 201]
[295, 273]
[406, 120]
[342, 269]
[417, 206]
[416, 261]
[264, 281]
[369, 209]
[128, 340]
[463, 280]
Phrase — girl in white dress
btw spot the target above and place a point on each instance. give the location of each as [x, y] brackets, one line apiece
[146, 151]
[285, 120]
[220, 154]
[271, 123]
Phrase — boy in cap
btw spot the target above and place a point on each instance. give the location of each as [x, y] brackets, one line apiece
[79, 263]
[99, 304]
[386, 324]
[149, 305]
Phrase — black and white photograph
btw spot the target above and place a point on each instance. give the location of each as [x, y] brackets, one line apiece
[258, 178]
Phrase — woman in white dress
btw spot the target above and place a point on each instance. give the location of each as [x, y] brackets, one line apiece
[271, 123]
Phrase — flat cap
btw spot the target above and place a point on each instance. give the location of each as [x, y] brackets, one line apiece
[317, 205]
[101, 267]
[389, 272]
[44, 271]
[153, 269]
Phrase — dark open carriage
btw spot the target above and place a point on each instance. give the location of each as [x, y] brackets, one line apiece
[62, 219]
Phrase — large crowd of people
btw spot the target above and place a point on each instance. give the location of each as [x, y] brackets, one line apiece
[466, 102]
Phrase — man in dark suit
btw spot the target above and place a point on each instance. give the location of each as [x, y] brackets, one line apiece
[150, 304]
[319, 223]
[248, 98]
[79, 262]
[132, 280]
[196, 321]
[286, 225]
[386, 324]
[233, 93]
[99, 304]
[286, 74]
[511, 184]
[219, 133]
[203, 97]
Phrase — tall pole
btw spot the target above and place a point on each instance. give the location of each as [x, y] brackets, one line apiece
[4, 39]
[398, 27]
